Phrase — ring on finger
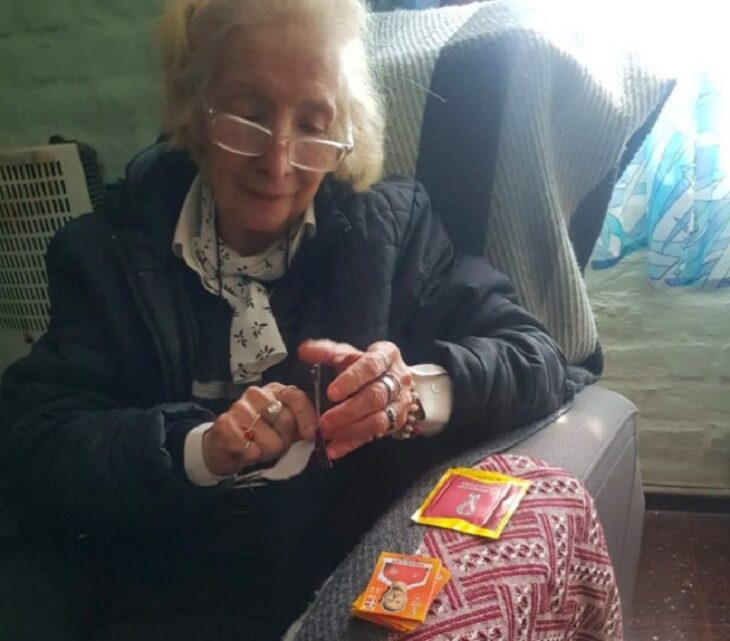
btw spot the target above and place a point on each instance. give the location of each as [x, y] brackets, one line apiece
[393, 385]
[271, 412]
[248, 432]
[392, 419]
[415, 414]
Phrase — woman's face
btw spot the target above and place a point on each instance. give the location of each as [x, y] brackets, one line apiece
[282, 78]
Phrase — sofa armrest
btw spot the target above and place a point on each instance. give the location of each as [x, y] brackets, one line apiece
[596, 441]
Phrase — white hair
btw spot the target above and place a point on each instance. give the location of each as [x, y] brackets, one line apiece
[191, 33]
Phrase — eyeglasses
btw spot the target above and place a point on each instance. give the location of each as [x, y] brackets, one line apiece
[246, 138]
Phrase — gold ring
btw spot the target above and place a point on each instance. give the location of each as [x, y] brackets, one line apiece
[248, 432]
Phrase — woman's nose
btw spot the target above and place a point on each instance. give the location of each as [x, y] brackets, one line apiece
[276, 159]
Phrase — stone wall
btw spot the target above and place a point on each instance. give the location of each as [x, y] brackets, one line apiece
[669, 351]
[84, 69]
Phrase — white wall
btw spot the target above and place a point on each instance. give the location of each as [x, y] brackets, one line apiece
[668, 350]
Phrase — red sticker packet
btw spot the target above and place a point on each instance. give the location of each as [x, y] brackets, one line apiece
[400, 591]
[472, 501]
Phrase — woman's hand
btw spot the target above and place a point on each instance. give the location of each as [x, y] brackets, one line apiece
[241, 436]
[361, 396]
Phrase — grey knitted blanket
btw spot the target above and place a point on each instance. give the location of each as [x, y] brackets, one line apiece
[514, 133]
[518, 129]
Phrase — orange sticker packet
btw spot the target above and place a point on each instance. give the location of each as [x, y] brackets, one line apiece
[400, 586]
[442, 578]
[472, 501]
[394, 621]
[402, 625]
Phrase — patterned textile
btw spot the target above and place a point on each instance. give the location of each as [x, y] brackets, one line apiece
[674, 198]
[547, 578]
[255, 343]
[512, 122]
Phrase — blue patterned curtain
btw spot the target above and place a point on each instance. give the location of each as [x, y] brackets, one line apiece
[387, 5]
[674, 198]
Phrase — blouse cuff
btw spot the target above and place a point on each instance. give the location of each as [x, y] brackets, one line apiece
[434, 388]
[195, 467]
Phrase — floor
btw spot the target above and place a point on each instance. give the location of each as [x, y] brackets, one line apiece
[683, 584]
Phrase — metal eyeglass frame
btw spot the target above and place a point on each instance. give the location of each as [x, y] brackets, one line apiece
[344, 147]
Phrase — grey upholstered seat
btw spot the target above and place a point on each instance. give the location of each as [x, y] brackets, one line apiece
[596, 441]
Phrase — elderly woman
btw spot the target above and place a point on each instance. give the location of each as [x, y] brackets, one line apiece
[186, 319]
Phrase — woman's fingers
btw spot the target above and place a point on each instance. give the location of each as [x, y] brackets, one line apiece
[330, 353]
[380, 358]
[370, 399]
[301, 408]
[297, 418]
[296, 409]
[359, 392]
[362, 371]
[227, 445]
[257, 440]
[271, 443]
[355, 368]
[242, 436]
[369, 428]
[379, 389]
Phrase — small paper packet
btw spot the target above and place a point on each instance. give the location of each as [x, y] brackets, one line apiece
[400, 591]
[472, 501]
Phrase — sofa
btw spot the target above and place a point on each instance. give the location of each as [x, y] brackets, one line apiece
[596, 441]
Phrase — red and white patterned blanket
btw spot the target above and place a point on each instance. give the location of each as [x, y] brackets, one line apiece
[547, 578]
